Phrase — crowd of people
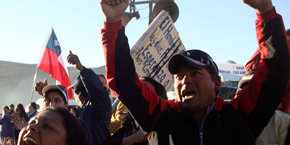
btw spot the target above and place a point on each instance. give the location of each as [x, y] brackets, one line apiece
[126, 109]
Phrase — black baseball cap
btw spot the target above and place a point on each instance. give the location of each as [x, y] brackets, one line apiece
[79, 87]
[195, 58]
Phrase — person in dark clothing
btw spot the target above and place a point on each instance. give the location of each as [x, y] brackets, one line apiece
[11, 108]
[7, 128]
[161, 92]
[199, 116]
[157, 87]
[93, 101]
[104, 81]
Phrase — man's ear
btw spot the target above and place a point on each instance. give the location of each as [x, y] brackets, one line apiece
[66, 106]
[217, 84]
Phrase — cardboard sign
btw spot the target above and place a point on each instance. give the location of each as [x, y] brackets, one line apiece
[156, 46]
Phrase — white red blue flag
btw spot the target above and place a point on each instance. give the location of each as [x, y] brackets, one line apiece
[52, 63]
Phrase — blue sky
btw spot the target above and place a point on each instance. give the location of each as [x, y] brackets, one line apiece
[225, 29]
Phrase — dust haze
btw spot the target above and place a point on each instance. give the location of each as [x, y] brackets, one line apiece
[16, 82]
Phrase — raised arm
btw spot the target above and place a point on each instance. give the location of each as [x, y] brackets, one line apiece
[261, 6]
[261, 97]
[97, 93]
[142, 101]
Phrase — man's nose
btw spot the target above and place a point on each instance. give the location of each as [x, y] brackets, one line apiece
[185, 79]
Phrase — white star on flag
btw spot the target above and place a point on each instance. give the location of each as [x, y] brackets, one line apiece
[56, 43]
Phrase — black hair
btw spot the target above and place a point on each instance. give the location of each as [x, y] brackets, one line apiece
[79, 87]
[101, 75]
[11, 105]
[6, 107]
[159, 89]
[288, 32]
[20, 107]
[57, 91]
[82, 91]
[185, 58]
[75, 133]
[33, 105]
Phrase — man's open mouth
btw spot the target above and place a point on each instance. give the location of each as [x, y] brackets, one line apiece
[188, 94]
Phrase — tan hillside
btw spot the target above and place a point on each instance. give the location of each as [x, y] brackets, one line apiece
[16, 81]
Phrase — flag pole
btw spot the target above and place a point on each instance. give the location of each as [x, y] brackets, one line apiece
[36, 68]
[34, 78]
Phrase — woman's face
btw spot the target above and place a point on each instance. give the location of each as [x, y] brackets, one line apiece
[44, 129]
[31, 108]
[18, 110]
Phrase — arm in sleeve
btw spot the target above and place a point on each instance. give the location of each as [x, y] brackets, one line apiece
[252, 65]
[118, 117]
[97, 94]
[261, 97]
[2, 119]
[143, 102]
[254, 61]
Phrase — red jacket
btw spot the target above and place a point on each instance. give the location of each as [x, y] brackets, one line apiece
[252, 65]
[237, 122]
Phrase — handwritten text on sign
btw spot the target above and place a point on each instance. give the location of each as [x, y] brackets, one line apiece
[151, 54]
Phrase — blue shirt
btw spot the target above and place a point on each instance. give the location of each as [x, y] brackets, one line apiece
[7, 128]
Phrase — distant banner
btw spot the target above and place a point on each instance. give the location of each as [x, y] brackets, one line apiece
[231, 72]
[156, 46]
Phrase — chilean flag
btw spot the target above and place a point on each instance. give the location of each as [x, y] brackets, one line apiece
[52, 63]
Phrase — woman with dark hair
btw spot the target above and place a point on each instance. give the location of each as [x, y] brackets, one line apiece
[23, 117]
[21, 111]
[53, 126]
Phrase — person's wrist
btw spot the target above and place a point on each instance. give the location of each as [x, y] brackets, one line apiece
[264, 9]
[112, 20]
